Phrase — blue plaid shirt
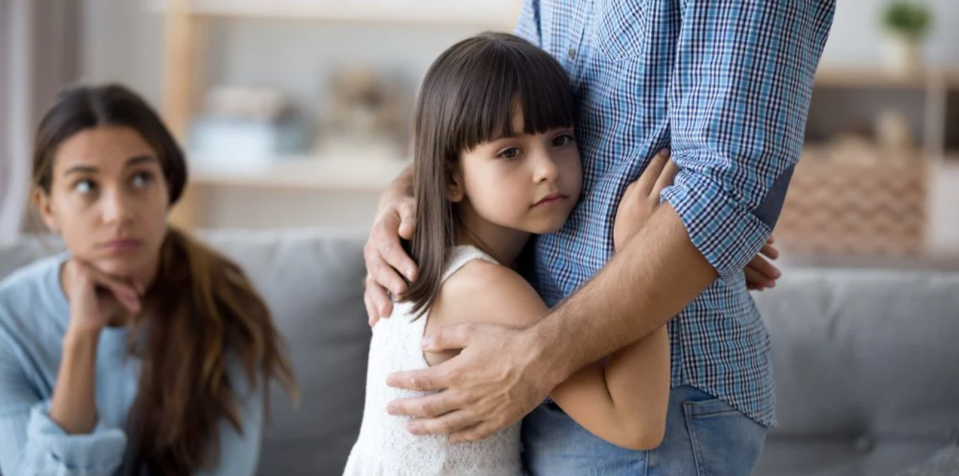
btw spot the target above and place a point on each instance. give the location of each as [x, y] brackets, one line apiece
[726, 85]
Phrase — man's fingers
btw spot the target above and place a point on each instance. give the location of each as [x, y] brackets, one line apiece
[427, 407]
[379, 298]
[407, 220]
[386, 241]
[478, 432]
[449, 338]
[371, 313]
[425, 380]
[446, 424]
[755, 280]
[764, 268]
[769, 251]
[386, 276]
[647, 180]
[666, 178]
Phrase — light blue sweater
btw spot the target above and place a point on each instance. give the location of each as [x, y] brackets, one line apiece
[33, 317]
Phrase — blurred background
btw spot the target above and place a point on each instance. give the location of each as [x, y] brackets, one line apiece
[295, 112]
[295, 115]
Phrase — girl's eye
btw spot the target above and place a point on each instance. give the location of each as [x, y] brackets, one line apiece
[85, 186]
[141, 179]
[510, 153]
[563, 140]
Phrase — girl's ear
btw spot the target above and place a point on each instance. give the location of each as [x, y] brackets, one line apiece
[456, 192]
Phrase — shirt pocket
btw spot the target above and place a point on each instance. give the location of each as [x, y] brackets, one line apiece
[621, 33]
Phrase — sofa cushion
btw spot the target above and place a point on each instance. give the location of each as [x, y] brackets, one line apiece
[864, 364]
[944, 463]
[313, 282]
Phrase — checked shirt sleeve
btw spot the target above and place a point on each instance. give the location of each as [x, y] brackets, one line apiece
[738, 102]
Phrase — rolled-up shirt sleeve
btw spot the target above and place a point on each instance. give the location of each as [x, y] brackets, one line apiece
[50, 450]
[31, 444]
[738, 103]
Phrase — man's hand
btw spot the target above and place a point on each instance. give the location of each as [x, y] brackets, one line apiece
[760, 273]
[384, 255]
[501, 375]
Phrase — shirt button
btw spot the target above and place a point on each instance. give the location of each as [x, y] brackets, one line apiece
[572, 53]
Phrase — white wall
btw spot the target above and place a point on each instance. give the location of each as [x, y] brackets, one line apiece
[123, 42]
[856, 35]
[944, 209]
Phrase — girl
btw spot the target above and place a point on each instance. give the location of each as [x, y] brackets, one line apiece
[139, 351]
[495, 163]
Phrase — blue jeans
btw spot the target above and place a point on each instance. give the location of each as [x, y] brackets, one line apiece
[704, 437]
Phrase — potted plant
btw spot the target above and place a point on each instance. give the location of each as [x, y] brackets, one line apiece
[906, 23]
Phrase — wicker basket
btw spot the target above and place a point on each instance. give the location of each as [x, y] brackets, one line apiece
[864, 209]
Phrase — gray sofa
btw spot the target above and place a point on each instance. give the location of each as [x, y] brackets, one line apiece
[865, 360]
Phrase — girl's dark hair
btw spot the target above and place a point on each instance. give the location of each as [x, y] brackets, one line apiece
[201, 313]
[468, 97]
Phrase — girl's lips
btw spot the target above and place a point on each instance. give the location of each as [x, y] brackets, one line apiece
[550, 199]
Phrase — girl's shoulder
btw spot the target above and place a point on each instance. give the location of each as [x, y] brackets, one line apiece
[482, 291]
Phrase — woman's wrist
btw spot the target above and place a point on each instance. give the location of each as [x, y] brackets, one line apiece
[80, 341]
[72, 404]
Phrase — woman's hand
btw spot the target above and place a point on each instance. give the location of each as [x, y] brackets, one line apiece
[96, 299]
[642, 197]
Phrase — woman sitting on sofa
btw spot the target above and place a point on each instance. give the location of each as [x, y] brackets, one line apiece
[139, 350]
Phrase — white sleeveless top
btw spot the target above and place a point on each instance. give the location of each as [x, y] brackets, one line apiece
[384, 446]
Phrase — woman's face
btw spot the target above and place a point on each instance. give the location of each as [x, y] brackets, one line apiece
[108, 199]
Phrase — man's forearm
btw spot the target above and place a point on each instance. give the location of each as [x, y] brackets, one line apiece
[654, 277]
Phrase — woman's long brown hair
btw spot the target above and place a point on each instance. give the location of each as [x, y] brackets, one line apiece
[202, 318]
[467, 98]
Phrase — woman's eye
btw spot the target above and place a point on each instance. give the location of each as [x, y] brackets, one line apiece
[510, 153]
[562, 140]
[141, 180]
[85, 186]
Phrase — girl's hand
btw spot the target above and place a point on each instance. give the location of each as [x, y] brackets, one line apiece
[96, 299]
[642, 197]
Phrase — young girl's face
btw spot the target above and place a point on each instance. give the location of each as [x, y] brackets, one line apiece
[523, 182]
[108, 200]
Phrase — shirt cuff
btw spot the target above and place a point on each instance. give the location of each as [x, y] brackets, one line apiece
[726, 233]
[98, 452]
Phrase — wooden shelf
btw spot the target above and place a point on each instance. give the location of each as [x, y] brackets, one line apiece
[880, 79]
[304, 173]
[495, 14]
